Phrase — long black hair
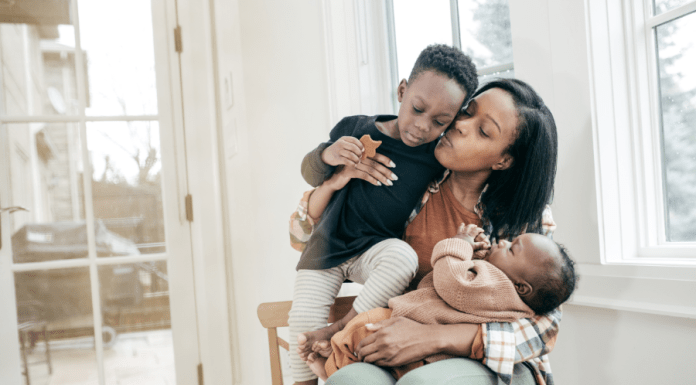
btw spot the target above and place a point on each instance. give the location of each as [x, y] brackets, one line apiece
[514, 199]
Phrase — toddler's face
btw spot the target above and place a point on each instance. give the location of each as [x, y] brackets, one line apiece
[522, 258]
[428, 105]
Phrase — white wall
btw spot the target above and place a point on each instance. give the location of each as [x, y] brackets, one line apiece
[285, 92]
[604, 346]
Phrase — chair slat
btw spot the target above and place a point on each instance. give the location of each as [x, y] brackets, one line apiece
[283, 344]
[276, 372]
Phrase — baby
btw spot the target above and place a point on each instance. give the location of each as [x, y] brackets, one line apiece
[512, 280]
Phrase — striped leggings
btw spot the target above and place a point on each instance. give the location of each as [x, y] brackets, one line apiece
[385, 270]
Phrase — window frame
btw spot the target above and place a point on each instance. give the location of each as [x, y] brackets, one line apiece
[624, 54]
[456, 42]
[635, 269]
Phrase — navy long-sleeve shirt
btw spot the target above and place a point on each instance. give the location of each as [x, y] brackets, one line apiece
[361, 215]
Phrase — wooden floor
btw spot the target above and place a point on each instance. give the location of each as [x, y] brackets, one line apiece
[142, 358]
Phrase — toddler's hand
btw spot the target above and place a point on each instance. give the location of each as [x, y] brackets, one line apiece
[347, 151]
[474, 235]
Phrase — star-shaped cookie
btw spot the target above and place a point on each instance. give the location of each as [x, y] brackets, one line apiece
[370, 146]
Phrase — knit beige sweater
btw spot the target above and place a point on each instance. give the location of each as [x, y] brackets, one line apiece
[460, 290]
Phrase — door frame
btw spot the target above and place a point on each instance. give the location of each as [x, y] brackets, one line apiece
[209, 230]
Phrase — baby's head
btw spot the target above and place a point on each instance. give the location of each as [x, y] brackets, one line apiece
[541, 270]
[441, 82]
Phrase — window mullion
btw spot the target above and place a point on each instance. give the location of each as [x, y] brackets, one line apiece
[495, 69]
[657, 203]
[454, 16]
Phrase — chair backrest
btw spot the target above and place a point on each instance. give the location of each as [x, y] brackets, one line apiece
[274, 315]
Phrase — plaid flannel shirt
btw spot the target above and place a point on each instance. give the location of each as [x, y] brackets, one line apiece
[527, 340]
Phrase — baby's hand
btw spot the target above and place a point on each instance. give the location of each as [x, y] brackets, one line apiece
[347, 151]
[475, 236]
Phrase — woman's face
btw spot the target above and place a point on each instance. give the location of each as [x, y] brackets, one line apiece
[478, 140]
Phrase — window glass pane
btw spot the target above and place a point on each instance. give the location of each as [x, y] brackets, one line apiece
[676, 63]
[126, 185]
[484, 28]
[660, 6]
[118, 41]
[135, 299]
[37, 70]
[46, 179]
[418, 24]
[56, 326]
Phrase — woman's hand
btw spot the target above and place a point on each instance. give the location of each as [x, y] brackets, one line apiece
[373, 170]
[400, 341]
[397, 341]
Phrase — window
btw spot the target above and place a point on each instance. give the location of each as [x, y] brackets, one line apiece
[643, 97]
[643, 67]
[480, 28]
[675, 62]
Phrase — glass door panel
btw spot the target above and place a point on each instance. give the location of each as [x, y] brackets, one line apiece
[118, 43]
[83, 164]
[136, 306]
[56, 327]
[37, 69]
[126, 182]
[46, 182]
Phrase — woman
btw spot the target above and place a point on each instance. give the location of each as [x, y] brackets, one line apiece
[501, 159]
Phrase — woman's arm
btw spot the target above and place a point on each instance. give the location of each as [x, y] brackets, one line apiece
[313, 203]
[399, 341]
[534, 337]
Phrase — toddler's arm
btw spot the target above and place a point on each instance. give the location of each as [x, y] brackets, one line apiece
[314, 170]
[312, 205]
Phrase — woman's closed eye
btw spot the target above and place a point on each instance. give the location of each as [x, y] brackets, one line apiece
[483, 132]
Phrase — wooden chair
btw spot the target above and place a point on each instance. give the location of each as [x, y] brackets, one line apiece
[274, 315]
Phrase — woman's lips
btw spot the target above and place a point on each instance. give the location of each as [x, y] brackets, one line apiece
[445, 140]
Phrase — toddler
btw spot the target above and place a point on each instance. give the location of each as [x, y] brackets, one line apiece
[360, 219]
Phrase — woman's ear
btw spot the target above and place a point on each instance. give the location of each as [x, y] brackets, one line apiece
[401, 89]
[523, 288]
[504, 163]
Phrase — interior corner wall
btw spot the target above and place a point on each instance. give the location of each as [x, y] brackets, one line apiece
[285, 115]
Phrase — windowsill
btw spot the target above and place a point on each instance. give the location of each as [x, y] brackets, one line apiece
[662, 290]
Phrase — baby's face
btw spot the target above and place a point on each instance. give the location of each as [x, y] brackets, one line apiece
[523, 258]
